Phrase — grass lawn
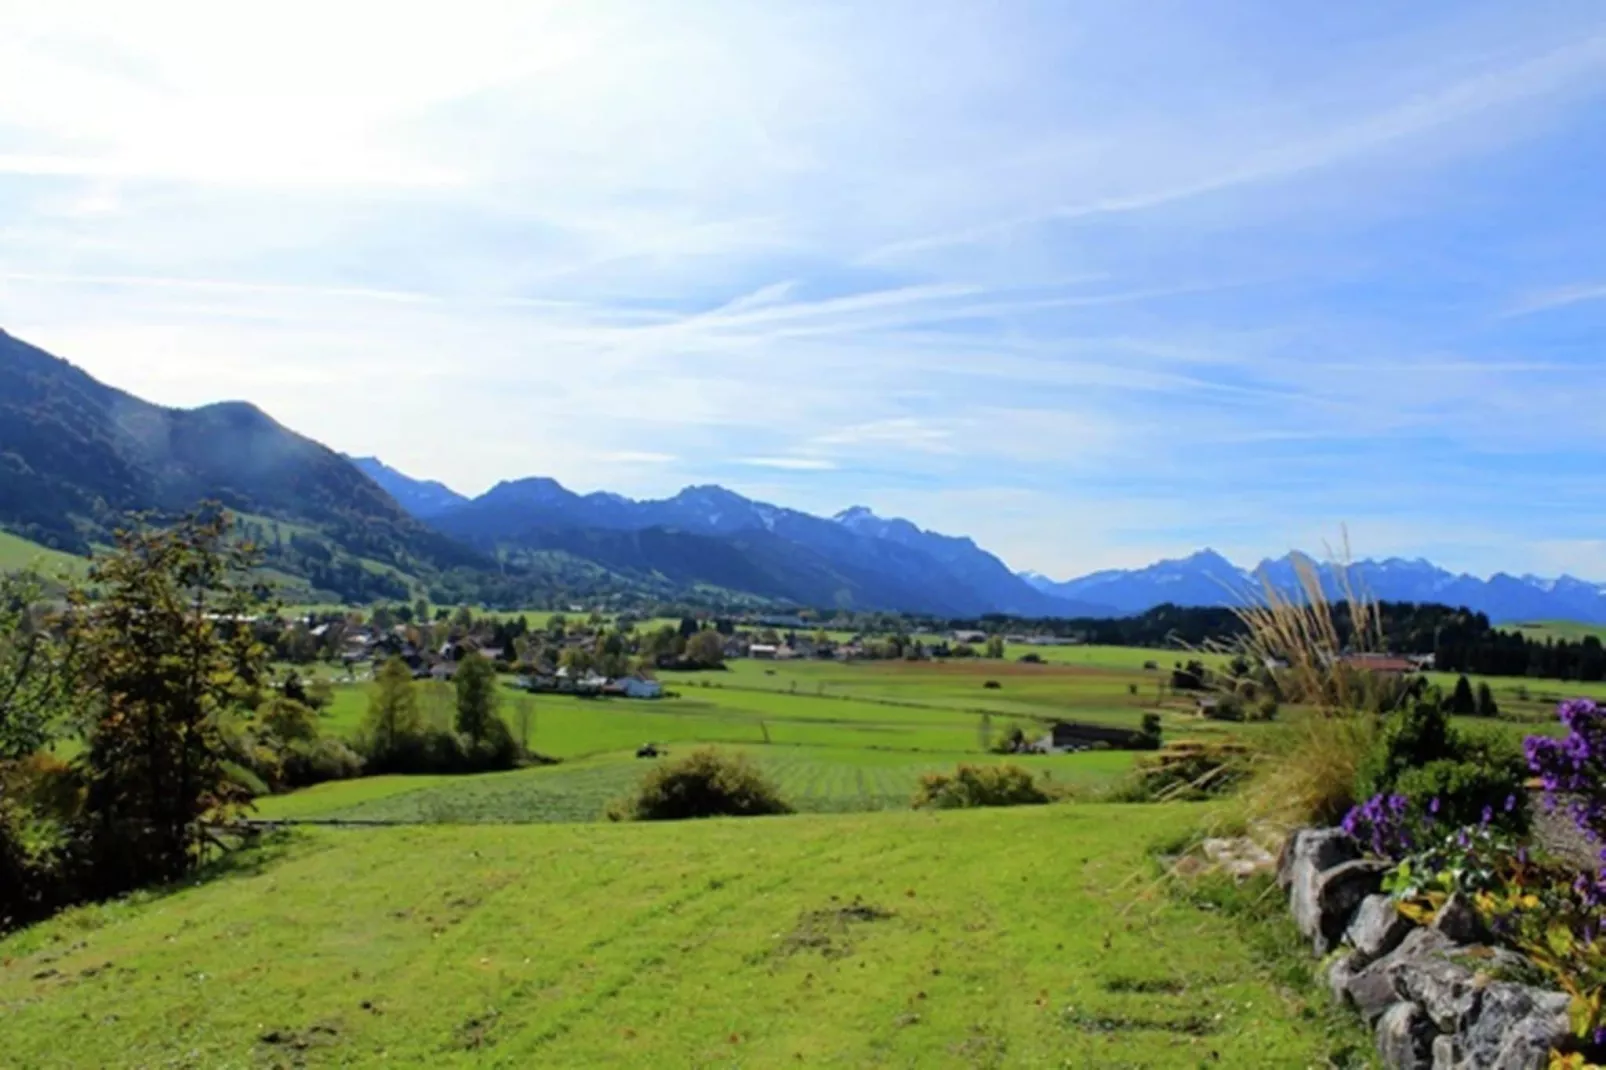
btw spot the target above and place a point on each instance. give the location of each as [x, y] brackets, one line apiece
[1027, 937]
[812, 779]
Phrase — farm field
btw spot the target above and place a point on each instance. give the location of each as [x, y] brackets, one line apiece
[812, 779]
[1572, 631]
[903, 706]
[1525, 699]
[1028, 937]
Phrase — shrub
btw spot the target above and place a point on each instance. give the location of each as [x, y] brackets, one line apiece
[1013, 741]
[980, 785]
[307, 762]
[992, 685]
[704, 783]
[1224, 707]
[1151, 732]
[1186, 770]
[1266, 709]
[1444, 774]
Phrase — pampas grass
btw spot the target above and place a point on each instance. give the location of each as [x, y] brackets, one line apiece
[1307, 771]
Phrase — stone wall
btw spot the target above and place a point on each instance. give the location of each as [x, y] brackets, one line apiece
[1431, 994]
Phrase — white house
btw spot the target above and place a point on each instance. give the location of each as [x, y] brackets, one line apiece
[636, 687]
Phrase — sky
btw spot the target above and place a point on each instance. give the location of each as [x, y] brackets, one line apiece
[1093, 283]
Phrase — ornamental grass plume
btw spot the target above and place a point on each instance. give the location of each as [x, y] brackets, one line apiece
[1309, 770]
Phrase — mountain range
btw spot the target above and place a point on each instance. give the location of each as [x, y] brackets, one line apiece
[77, 457]
[1209, 579]
[710, 536]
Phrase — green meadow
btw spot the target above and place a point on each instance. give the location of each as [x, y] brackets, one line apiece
[1030, 937]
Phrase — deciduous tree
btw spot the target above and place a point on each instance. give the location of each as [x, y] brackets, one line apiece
[477, 698]
[168, 647]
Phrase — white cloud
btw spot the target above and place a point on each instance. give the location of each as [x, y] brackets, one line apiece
[1146, 266]
[793, 464]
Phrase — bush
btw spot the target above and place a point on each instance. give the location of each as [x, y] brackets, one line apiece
[1224, 707]
[704, 783]
[307, 762]
[1152, 731]
[980, 785]
[1266, 709]
[1186, 771]
[1445, 774]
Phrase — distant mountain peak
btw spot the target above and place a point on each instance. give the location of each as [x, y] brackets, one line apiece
[855, 512]
[423, 498]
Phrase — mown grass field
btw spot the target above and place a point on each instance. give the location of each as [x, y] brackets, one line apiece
[836, 737]
[1010, 938]
[812, 779]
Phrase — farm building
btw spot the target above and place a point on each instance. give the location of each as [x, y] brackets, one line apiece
[1387, 664]
[636, 687]
[1066, 735]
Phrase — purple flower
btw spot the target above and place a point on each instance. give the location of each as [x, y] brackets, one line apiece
[1511, 803]
[1433, 807]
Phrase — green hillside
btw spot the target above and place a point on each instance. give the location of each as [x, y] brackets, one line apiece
[1031, 937]
[18, 553]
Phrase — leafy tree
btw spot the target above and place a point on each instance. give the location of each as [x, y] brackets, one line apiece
[286, 719]
[463, 620]
[393, 718]
[689, 627]
[1462, 700]
[1487, 706]
[524, 715]
[477, 697]
[578, 660]
[37, 670]
[167, 650]
[706, 649]
[995, 646]
[421, 611]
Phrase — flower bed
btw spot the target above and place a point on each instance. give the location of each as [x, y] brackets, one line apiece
[1462, 944]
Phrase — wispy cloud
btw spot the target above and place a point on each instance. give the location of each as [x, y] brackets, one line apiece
[1131, 291]
[790, 464]
[1559, 297]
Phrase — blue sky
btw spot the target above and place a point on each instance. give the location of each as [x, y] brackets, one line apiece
[1094, 283]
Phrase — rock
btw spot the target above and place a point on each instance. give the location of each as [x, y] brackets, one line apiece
[1341, 971]
[1240, 856]
[1320, 848]
[1515, 1028]
[1378, 927]
[1324, 902]
[1458, 919]
[1405, 1037]
[1447, 991]
[1444, 1053]
[1377, 987]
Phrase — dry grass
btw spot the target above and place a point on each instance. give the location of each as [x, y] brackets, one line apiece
[1307, 772]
